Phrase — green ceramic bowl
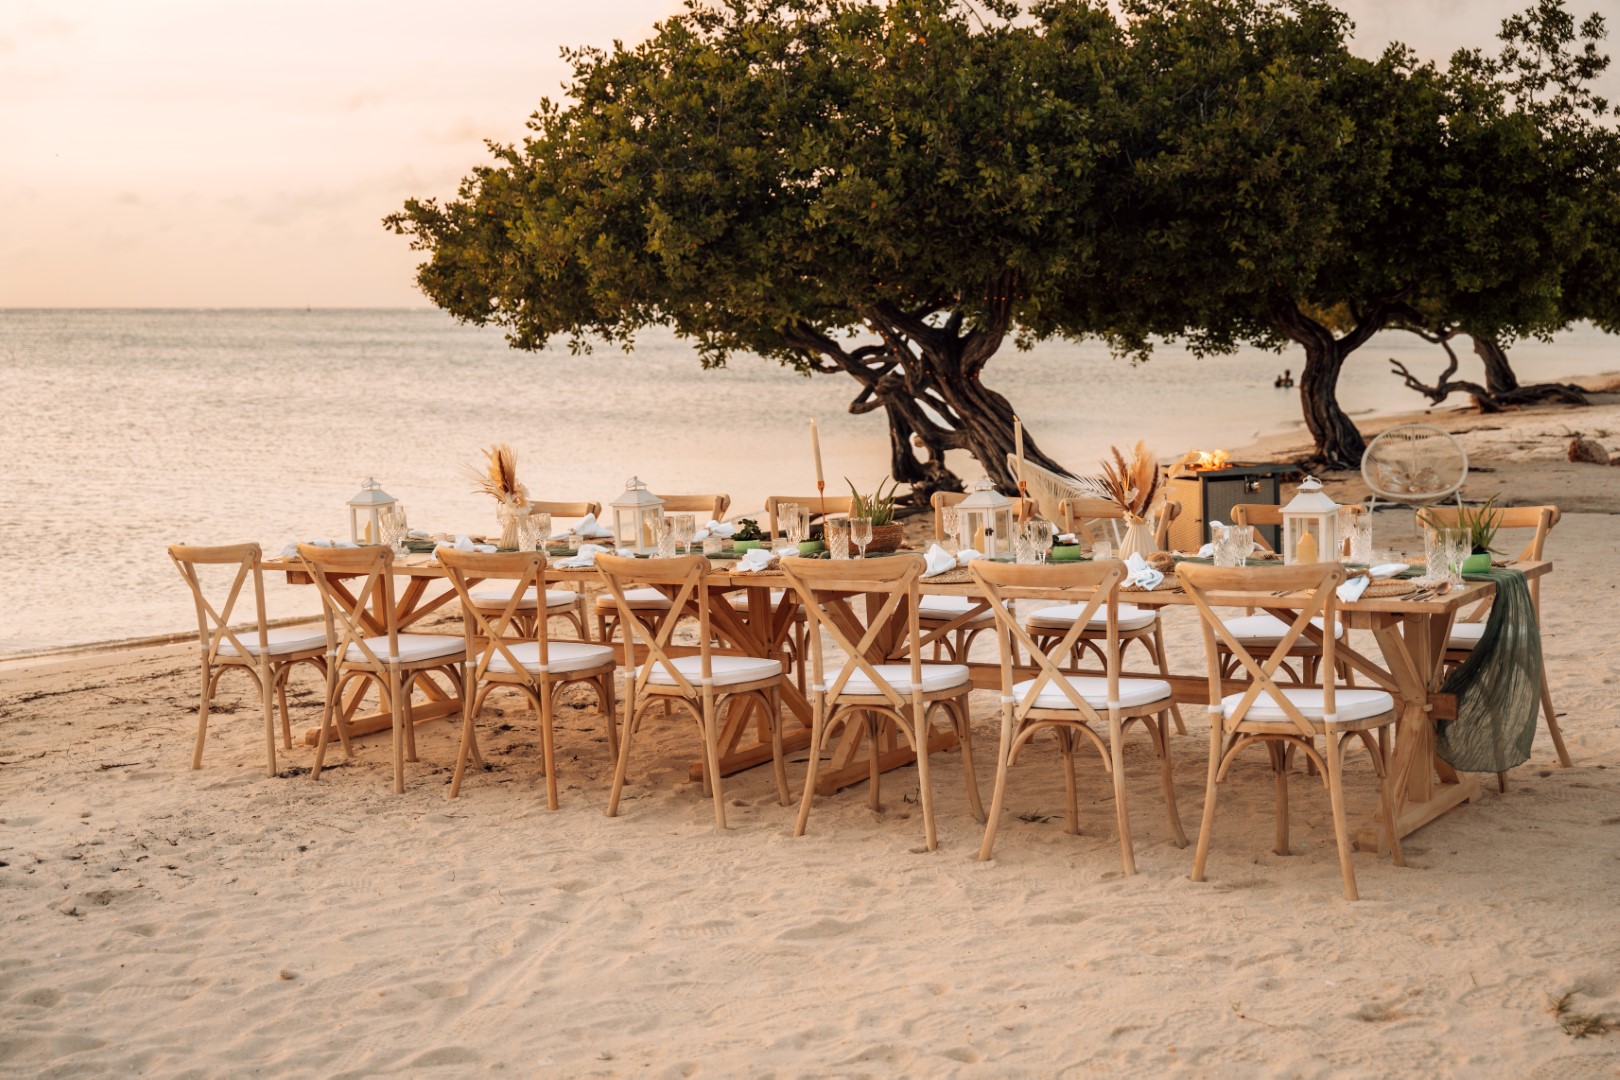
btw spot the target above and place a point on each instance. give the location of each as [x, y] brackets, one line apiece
[810, 547]
[1068, 553]
[744, 545]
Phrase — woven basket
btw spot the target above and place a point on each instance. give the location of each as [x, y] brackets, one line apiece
[886, 537]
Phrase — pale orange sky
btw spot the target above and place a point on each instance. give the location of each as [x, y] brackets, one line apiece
[200, 153]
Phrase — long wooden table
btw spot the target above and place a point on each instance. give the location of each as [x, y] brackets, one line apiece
[1411, 636]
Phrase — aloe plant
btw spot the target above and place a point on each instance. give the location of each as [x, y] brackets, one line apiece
[877, 506]
[1481, 523]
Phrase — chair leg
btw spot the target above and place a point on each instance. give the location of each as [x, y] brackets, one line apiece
[1386, 798]
[331, 711]
[1071, 795]
[711, 755]
[625, 737]
[1122, 812]
[964, 734]
[469, 714]
[999, 796]
[919, 727]
[818, 720]
[778, 755]
[1159, 727]
[1280, 766]
[202, 715]
[1206, 830]
[281, 702]
[267, 703]
[874, 730]
[1552, 720]
[396, 715]
[1341, 827]
[548, 742]
[608, 705]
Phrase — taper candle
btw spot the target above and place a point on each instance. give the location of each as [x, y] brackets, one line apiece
[815, 445]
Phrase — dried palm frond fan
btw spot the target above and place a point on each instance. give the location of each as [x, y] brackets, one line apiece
[1415, 465]
[1049, 487]
[498, 479]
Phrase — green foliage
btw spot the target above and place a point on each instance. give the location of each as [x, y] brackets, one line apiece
[1481, 523]
[877, 506]
[748, 529]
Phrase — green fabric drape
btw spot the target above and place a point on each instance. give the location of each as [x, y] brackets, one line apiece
[1498, 687]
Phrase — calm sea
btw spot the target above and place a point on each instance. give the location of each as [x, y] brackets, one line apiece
[127, 430]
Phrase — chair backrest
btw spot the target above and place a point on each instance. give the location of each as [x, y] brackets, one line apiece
[825, 587]
[714, 506]
[489, 636]
[1094, 584]
[214, 622]
[349, 617]
[567, 510]
[1414, 464]
[1078, 514]
[683, 575]
[1270, 514]
[1257, 586]
[835, 504]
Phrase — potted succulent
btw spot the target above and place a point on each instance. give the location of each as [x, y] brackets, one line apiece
[747, 536]
[886, 535]
[1480, 523]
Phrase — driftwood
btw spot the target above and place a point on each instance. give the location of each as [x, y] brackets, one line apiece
[1503, 390]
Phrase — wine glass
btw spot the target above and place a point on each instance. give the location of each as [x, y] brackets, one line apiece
[798, 524]
[950, 523]
[685, 530]
[1243, 542]
[860, 531]
[1041, 534]
[786, 514]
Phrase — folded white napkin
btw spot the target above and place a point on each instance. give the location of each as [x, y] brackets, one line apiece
[464, 543]
[755, 560]
[586, 557]
[1208, 550]
[939, 560]
[1141, 574]
[588, 527]
[715, 528]
[1388, 570]
[292, 549]
[418, 534]
[967, 555]
[1068, 539]
[1351, 590]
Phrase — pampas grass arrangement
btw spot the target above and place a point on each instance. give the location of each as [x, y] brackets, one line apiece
[1131, 485]
[499, 480]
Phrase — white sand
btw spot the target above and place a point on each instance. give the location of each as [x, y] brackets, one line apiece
[167, 922]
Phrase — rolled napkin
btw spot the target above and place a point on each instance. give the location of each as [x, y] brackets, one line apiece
[1141, 574]
[967, 556]
[585, 559]
[1352, 589]
[754, 560]
[939, 560]
[1208, 550]
[715, 528]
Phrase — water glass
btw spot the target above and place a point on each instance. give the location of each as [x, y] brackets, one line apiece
[786, 515]
[837, 530]
[1225, 548]
[860, 531]
[950, 522]
[525, 532]
[664, 529]
[1023, 548]
[685, 530]
[542, 529]
[1435, 569]
[798, 525]
[1459, 545]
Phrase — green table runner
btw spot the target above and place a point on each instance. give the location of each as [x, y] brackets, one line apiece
[1498, 687]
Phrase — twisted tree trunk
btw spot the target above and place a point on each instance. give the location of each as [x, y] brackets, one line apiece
[1501, 389]
[1339, 444]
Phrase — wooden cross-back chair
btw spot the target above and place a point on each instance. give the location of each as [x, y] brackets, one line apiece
[704, 685]
[521, 660]
[1051, 624]
[360, 647]
[1287, 719]
[1077, 709]
[961, 618]
[575, 610]
[646, 599]
[836, 505]
[267, 656]
[1082, 517]
[1262, 629]
[869, 688]
[1466, 631]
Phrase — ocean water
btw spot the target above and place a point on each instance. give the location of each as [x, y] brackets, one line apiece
[126, 430]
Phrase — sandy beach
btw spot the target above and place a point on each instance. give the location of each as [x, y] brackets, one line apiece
[169, 922]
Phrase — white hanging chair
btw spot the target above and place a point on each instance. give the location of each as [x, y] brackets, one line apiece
[1415, 465]
[1048, 487]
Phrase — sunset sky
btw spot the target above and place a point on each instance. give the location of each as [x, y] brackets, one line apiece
[193, 153]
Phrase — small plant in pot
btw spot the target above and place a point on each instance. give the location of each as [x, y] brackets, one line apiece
[1480, 523]
[747, 536]
[886, 535]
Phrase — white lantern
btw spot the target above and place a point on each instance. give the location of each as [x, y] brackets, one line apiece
[1311, 513]
[987, 517]
[366, 512]
[636, 517]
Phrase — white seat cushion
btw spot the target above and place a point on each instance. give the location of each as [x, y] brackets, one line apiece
[898, 676]
[726, 670]
[497, 597]
[287, 639]
[411, 647]
[1062, 616]
[1264, 629]
[1352, 704]
[1464, 635]
[561, 655]
[1094, 689]
[647, 598]
[946, 608]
